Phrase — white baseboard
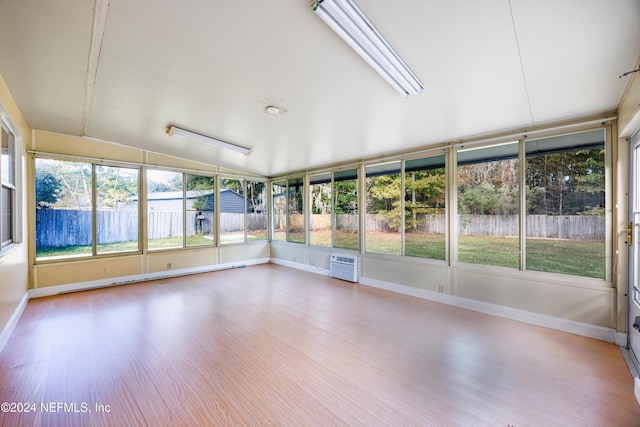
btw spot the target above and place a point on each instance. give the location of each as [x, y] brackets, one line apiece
[299, 266]
[621, 339]
[565, 325]
[636, 389]
[94, 284]
[13, 321]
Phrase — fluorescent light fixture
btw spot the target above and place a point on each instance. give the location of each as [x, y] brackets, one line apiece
[173, 130]
[350, 23]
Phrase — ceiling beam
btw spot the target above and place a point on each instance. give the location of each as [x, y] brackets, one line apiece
[100, 11]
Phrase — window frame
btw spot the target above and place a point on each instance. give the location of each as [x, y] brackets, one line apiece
[388, 169]
[93, 164]
[607, 196]
[302, 184]
[330, 178]
[14, 189]
[184, 189]
[490, 153]
[198, 221]
[244, 184]
[522, 213]
[265, 212]
[402, 227]
[445, 195]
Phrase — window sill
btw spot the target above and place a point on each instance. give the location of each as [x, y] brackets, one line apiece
[8, 249]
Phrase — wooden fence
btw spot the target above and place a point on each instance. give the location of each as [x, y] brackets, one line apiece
[572, 227]
[59, 228]
[55, 228]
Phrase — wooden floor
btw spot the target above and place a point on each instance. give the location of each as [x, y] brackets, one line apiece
[268, 345]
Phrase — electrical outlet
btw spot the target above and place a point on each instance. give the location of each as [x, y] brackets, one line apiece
[441, 288]
[168, 266]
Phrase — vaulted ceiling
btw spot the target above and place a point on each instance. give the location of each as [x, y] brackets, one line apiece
[123, 70]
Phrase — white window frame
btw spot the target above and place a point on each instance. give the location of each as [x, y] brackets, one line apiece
[16, 212]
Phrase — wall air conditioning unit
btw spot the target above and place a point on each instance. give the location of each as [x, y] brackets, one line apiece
[344, 267]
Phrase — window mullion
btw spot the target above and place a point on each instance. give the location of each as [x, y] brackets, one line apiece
[184, 210]
[402, 207]
[94, 211]
[334, 217]
[522, 176]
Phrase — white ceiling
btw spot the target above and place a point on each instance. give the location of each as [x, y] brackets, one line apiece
[213, 65]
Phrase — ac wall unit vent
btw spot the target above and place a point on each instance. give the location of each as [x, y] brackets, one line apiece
[344, 267]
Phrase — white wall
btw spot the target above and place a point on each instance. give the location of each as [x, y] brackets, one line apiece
[577, 299]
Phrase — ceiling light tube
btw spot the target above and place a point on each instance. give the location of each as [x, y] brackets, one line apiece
[173, 130]
[351, 24]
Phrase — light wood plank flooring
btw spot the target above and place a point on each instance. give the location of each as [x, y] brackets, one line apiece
[267, 345]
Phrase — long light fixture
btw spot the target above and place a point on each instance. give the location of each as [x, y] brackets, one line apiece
[173, 130]
[350, 23]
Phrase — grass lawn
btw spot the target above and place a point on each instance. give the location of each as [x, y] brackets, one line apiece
[431, 246]
[579, 258]
[421, 245]
[344, 239]
[164, 243]
[486, 250]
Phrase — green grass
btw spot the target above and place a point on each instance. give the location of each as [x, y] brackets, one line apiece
[64, 251]
[487, 250]
[383, 243]
[176, 242]
[579, 258]
[421, 245]
[164, 243]
[431, 246]
[344, 239]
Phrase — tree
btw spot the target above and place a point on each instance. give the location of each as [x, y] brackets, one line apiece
[569, 183]
[489, 188]
[115, 184]
[68, 185]
[257, 196]
[48, 188]
[204, 184]
[71, 183]
[346, 193]
[321, 202]
[424, 194]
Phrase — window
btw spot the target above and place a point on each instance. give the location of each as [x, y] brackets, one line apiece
[295, 210]
[334, 209]
[68, 218]
[565, 193]
[64, 220]
[200, 215]
[488, 206]
[320, 228]
[383, 183]
[346, 209]
[425, 213]
[279, 207]
[243, 214]
[288, 210]
[232, 210]
[165, 207]
[117, 212]
[8, 184]
[256, 210]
